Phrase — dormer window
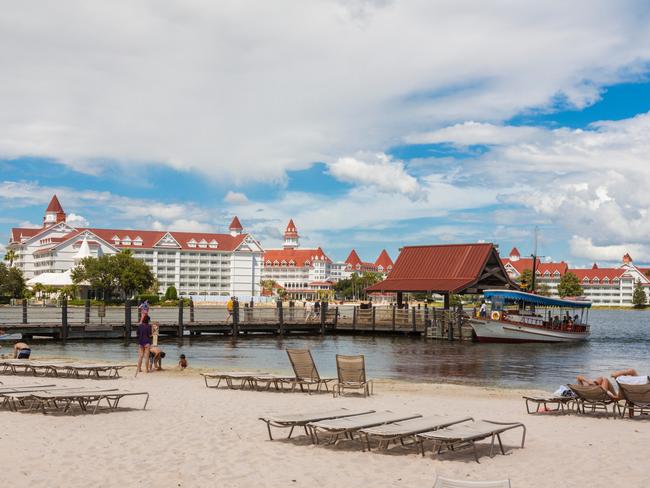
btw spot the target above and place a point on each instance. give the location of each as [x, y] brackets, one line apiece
[137, 241]
[585, 280]
[606, 280]
[556, 273]
[203, 243]
[547, 273]
[268, 263]
[276, 263]
[213, 244]
[191, 243]
[126, 241]
[307, 263]
[616, 280]
[292, 263]
[595, 280]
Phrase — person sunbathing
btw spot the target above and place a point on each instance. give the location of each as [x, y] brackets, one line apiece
[600, 381]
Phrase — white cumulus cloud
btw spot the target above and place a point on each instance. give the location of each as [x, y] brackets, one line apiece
[235, 197]
[379, 171]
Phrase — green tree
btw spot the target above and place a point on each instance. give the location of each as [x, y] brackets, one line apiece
[569, 286]
[11, 256]
[132, 275]
[639, 297]
[525, 280]
[171, 293]
[110, 273]
[12, 282]
[269, 286]
[543, 289]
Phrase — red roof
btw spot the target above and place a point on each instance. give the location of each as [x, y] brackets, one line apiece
[443, 269]
[515, 252]
[384, 260]
[235, 224]
[600, 273]
[353, 258]
[560, 267]
[298, 256]
[291, 230]
[520, 264]
[54, 205]
[18, 232]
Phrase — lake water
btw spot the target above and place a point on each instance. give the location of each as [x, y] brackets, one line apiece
[619, 339]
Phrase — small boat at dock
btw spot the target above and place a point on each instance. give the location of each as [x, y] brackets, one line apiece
[516, 316]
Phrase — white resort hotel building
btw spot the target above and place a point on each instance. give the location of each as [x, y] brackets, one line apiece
[195, 263]
[611, 286]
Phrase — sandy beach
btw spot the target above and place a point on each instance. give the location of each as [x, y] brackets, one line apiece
[191, 436]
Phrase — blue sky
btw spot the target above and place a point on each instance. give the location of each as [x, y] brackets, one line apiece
[479, 141]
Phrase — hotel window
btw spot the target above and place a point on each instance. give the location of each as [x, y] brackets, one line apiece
[191, 243]
[203, 243]
[137, 241]
[126, 241]
[213, 244]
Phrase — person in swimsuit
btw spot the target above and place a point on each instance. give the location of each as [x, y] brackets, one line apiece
[21, 351]
[144, 343]
[156, 355]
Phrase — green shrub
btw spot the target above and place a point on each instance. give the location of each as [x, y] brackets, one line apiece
[171, 293]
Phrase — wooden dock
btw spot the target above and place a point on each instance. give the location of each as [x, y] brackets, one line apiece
[64, 322]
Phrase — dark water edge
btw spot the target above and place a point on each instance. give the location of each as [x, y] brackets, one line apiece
[620, 339]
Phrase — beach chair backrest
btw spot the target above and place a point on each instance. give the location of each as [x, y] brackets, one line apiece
[303, 364]
[447, 483]
[591, 393]
[636, 393]
[351, 369]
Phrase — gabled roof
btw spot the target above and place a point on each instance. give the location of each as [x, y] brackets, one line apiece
[235, 224]
[54, 205]
[514, 252]
[353, 258]
[451, 268]
[384, 260]
[600, 273]
[298, 256]
[552, 268]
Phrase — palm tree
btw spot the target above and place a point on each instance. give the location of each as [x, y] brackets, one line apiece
[11, 256]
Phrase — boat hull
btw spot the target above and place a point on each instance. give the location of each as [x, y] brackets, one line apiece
[505, 332]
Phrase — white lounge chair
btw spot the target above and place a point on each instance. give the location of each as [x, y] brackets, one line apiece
[449, 483]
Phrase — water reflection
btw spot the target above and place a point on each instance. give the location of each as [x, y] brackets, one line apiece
[619, 340]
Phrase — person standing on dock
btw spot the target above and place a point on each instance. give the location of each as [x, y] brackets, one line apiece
[144, 309]
[483, 310]
[229, 307]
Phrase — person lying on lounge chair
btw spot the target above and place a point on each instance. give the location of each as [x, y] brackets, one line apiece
[21, 351]
[600, 381]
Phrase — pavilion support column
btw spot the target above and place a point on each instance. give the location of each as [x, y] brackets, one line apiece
[446, 301]
[400, 297]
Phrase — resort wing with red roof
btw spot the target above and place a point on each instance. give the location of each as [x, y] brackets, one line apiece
[196, 263]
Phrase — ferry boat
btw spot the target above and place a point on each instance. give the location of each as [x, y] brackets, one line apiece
[516, 316]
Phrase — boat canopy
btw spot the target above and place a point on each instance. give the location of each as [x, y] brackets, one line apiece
[520, 296]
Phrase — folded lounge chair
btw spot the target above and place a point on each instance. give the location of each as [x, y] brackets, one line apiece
[352, 375]
[560, 404]
[637, 398]
[305, 370]
[398, 431]
[448, 483]
[302, 419]
[466, 434]
[594, 397]
[231, 377]
[348, 426]
[65, 400]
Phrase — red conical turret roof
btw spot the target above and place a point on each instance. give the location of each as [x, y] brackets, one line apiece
[515, 252]
[235, 224]
[353, 258]
[291, 230]
[595, 266]
[384, 260]
[54, 205]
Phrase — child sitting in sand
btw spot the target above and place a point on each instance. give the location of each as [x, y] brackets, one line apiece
[182, 362]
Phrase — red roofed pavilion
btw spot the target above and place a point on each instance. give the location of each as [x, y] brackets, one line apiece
[446, 269]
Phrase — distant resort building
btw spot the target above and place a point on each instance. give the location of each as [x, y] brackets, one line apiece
[302, 273]
[603, 286]
[353, 264]
[196, 263]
